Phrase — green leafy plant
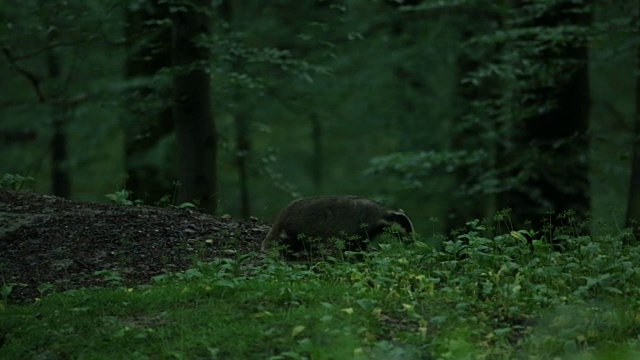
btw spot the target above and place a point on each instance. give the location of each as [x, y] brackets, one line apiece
[110, 276]
[43, 289]
[16, 182]
[6, 289]
[121, 197]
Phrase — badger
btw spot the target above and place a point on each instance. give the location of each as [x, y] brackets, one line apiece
[350, 218]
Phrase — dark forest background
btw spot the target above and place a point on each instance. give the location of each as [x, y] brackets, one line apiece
[451, 110]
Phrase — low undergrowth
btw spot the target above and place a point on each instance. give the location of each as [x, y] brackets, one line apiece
[479, 297]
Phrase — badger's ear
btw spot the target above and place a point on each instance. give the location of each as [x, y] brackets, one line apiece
[401, 219]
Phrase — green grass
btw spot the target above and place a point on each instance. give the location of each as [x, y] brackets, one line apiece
[492, 300]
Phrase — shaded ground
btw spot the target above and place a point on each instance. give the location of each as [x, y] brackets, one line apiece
[49, 240]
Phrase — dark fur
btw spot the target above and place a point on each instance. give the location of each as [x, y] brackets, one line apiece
[338, 216]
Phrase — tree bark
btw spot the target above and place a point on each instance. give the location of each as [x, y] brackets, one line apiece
[317, 167]
[193, 119]
[633, 204]
[234, 13]
[60, 182]
[554, 142]
[470, 21]
[149, 51]
[243, 148]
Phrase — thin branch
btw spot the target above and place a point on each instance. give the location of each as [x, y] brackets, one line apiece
[35, 80]
[53, 46]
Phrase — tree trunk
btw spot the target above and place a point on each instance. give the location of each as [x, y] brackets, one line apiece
[633, 205]
[471, 21]
[149, 51]
[235, 14]
[193, 120]
[554, 141]
[60, 183]
[317, 166]
[243, 148]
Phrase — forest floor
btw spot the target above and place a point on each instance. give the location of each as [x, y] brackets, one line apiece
[45, 240]
[402, 301]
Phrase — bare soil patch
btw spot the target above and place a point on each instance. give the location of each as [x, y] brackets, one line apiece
[49, 240]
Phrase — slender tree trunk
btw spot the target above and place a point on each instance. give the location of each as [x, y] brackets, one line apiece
[471, 21]
[60, 183]
[193, 119]
[633, 205]
[556, 179]
[243, 148]
[317, 167]
[149, 51]
[234, 13]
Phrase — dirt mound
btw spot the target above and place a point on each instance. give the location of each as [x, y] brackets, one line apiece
[49, 240]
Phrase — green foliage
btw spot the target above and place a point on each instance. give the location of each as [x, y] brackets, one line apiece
[415, 167]
[110, 277]
[121, 197]
[516, 64]
[43, 289]
[15, 181]
[265, 63]
[488, 297]
[6, 289]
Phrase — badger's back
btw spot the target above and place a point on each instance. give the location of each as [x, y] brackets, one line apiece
[331, 216]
